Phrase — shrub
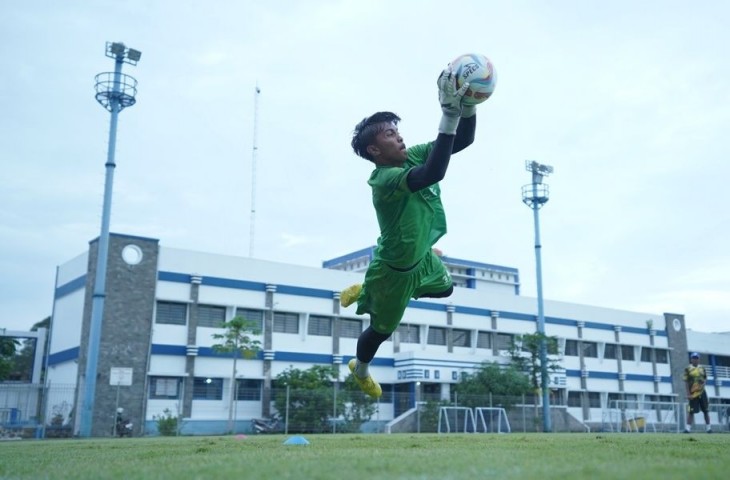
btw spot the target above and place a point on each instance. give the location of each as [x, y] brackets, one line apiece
[166, 423]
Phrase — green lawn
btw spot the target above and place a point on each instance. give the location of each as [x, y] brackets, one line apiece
[381, 457]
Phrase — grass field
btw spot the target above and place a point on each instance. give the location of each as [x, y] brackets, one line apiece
[354, 457]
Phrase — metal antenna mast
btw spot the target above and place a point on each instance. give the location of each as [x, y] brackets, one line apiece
[253, 170]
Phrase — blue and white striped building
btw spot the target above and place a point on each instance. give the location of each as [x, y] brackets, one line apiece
[163, 305]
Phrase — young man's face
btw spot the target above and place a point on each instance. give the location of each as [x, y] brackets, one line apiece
[388, 148]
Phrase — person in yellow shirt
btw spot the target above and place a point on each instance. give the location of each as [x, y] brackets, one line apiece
[695, 377]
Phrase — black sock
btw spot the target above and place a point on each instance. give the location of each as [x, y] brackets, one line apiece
[368, 344]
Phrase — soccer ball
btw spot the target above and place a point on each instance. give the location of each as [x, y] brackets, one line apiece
[479, 72]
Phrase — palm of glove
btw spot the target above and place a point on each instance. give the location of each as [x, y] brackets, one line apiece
[449, 96]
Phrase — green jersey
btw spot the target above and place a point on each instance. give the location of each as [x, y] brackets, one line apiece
[410, 222]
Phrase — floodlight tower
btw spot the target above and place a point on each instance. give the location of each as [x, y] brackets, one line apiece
[114, 91]
[535, 195]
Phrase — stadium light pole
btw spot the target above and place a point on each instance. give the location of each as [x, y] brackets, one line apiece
[114, 91]
[535, 195]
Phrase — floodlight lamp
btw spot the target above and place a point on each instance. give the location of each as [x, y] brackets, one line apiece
[537, 168]
[134, 55]
[545, 169]
[117, 48]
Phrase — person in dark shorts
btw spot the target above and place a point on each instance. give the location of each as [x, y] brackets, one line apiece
[695, 377]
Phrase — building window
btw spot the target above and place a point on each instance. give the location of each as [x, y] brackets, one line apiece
[661, 356]
[627, 352]
[594, 400]
[461, 338]
[171, 313]
[286, 322]
[350, 328]
[484, 340]
[436, 336]
[206, 388]
[720, 360]
[321, 326]
[164, 387]
[504, 341]
[590, 350]
[248, 389]
[574, 399]
[255, 317]
[664, 402]
[610, 351]
[571, 348]
[211, 316]
[387, 396]
[409, 333]
[615, 400]
[631, 400]
[646, 354]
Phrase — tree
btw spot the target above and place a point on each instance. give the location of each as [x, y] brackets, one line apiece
[311, 398]
[8, 345]
[525, 354]
[360, 407]
[238, 341]
[22, 362]
[504, 381]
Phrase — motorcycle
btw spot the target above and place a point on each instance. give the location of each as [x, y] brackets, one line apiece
[262, 425]
[122, 426]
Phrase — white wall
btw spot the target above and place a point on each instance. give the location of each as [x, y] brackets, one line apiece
[73, 269]
[169, 334]
[167, 365]
[68, 315]
[64, 373]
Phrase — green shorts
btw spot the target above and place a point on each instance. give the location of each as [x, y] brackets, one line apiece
[386, 291]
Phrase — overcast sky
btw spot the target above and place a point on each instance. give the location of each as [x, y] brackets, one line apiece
[627, 100]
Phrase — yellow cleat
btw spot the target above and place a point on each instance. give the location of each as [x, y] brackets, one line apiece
[367, 385]
[349, 295]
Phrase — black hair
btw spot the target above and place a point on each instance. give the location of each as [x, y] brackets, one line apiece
[365, 131]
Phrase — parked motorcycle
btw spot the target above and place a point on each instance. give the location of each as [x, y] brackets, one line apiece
[263, 425]
[122, 426]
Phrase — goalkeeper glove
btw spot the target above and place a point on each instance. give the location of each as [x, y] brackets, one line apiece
[468, 111]
[450, 99]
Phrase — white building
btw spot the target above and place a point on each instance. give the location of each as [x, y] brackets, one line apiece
[163, 304]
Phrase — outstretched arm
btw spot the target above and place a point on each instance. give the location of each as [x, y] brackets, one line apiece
[465, 132]
[457, 117]
[434, 169]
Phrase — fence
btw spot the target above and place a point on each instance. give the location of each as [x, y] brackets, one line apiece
[299, 412]
[34, 411]
[650, 416]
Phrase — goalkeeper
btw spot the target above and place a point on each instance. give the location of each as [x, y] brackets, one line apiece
[407, 202]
